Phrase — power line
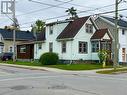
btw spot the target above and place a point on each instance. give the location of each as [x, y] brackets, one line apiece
[74, 4]
[62, 15]
[42, 9]
[77, 13]
[58, 5]
[48, 4]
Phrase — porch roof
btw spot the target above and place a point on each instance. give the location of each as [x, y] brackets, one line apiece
[99, 34]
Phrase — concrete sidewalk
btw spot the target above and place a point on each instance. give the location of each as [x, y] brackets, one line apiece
[52, 69]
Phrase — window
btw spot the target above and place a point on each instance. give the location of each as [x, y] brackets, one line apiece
[89, 28]
[106, 45]
[123, 32]
[11, 49]
[23, 49]
[83, 47]
[95, 46]
[2, 48]
[39, 46]
[50, 47]
[63, 47]
[51, 29]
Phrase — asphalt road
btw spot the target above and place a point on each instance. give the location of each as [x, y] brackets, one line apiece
[17, 81]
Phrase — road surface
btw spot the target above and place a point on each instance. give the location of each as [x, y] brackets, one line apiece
[17, 81]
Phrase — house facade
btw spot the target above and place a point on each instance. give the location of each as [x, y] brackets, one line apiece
[74, 40]
[6, 39]
[106, 22]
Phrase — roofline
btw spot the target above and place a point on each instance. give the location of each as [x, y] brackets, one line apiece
[17, 39]
[67, 39]
[111, 22]
[106, 20]
[58, 22]
[96, 27]
[111, 35]
[32, 42]
[40, 41]
[95, 39]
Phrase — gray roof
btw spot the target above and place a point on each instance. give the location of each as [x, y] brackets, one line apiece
[20, 35]
[121, 22]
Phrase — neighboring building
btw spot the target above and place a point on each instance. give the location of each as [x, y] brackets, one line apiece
[25, 51]
[6, 39]
[29, 49]
[106, 22]
[72, 40]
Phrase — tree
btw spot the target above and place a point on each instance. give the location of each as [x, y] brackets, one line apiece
[38, 26]
[73, 12]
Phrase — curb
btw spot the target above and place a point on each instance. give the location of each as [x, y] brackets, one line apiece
[24, 67]
[34, 67]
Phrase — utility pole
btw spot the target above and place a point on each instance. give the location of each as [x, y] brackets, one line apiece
[116, 42]
[8, 7]
[14, 44]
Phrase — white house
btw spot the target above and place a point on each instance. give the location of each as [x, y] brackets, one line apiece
[77, 39]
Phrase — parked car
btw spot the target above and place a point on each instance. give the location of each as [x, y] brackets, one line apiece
[6, 56]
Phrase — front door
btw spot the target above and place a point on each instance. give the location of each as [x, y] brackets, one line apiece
[123, 54]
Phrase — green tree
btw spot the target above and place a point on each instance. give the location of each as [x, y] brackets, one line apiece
[73, 12]
[38, 26]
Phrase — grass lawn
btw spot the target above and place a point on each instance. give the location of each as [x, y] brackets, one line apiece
[61, 66]
[118, 70]
[22, 63]
[77, 66]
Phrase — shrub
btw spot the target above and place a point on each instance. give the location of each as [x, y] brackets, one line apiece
[49, 58]
[103, 56]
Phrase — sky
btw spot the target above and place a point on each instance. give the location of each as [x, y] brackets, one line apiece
[27, 12]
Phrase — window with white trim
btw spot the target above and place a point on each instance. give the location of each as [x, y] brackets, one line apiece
[63, 47]
[95, 46]
[83, 47]
[89, 28]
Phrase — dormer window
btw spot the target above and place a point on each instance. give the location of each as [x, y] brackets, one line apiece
[51, 29]
[89, 28]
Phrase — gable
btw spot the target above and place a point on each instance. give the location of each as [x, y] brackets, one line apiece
[85, 34]
[106, 36]
[101, 34]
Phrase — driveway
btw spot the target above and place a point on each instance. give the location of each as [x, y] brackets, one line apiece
[19, 81]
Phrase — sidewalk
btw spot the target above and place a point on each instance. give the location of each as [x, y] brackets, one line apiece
[52, 69]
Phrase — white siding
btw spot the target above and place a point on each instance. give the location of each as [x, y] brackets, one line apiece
[123, 43]
[83, 36]
[39, 52]
[57, 29]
